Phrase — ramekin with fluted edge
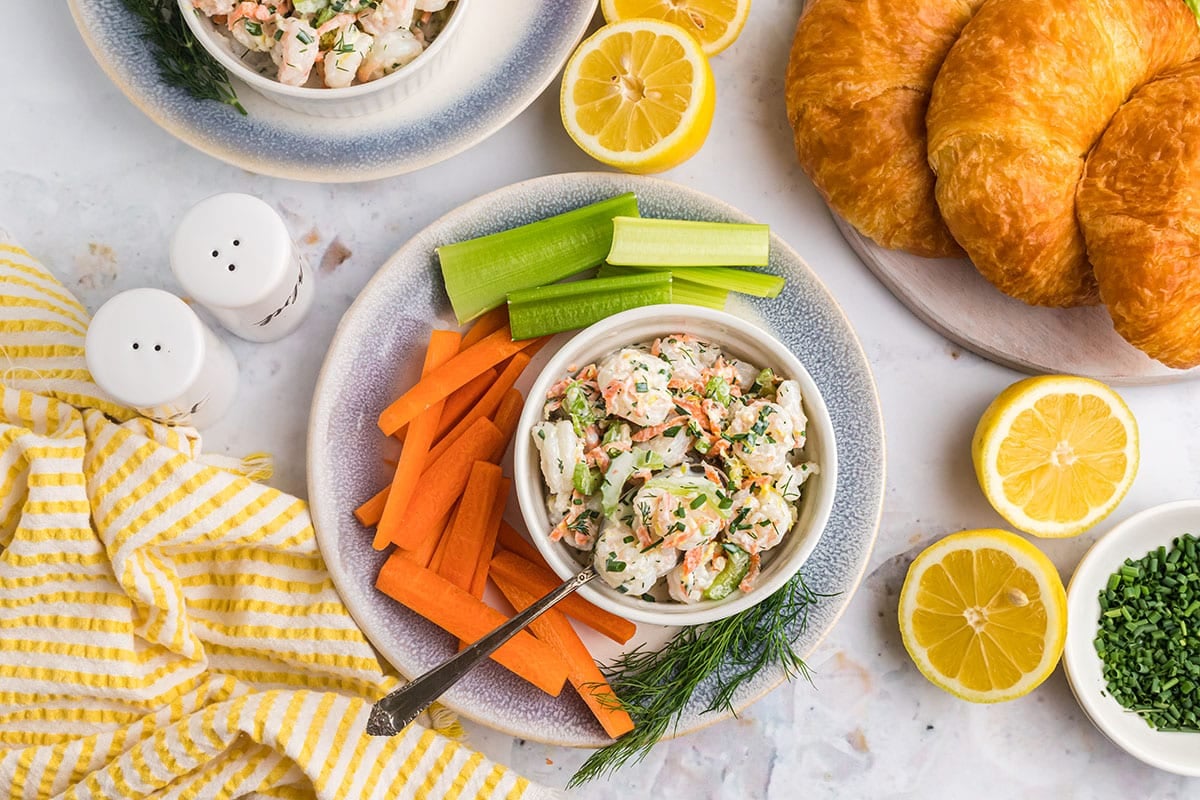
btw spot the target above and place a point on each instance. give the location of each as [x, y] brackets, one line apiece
[352, 101]
[739, 338]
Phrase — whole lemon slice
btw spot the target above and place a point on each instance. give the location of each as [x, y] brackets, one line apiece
[716, 24]
[639, 96]
[984, 615]
[1055, 454]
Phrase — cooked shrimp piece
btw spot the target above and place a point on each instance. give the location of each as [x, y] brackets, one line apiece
[560, 451]
[296, 51]
[672, 450]
[390, 52]
[788, 398]
[763, 435]
[624, 564]
[388, 16]
[634, 386]
[432, 6]
[253, 35]
[761, 518]
[214, 8]
[579, 527]
[663, 510]
[259, 12]
[346, 56]
[788, 484]
[701, 566]
[687, 355]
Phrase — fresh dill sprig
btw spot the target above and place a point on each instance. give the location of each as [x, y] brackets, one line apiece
[182, 61]
[655, 687]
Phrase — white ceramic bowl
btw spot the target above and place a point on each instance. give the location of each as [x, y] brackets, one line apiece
[352, 101]
[739, 338]
[1133, 538]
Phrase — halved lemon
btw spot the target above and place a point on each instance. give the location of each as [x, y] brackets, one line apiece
[714, 23]
[1055, 454]
[983, 614]
[639, 96]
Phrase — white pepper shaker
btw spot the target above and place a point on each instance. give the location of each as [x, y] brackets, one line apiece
[233, 254]
[148, 350]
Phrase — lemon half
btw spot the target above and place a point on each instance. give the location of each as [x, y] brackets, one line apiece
[639, 95]
[716, 24]
[983, 614]
[1055, 454]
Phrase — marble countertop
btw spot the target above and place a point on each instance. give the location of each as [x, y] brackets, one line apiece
[93, 187]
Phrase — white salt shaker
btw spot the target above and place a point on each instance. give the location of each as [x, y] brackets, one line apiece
[233, 254]
[149, 351]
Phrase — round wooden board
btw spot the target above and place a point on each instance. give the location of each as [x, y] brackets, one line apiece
[950, 296]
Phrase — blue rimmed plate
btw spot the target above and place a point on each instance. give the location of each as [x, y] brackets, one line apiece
[377, 349]
[507, 53]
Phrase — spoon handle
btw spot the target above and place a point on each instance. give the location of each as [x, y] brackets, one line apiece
[391, 714]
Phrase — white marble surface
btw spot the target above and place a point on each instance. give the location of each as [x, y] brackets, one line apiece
[93, 187]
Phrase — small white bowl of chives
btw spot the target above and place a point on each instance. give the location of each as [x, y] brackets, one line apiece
[1137, 591]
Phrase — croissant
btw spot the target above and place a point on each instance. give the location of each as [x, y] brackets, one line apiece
[1137, 207]
[857, 87]
[1024, 93]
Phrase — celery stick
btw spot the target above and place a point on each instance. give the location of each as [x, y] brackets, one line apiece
[682, 291]
[745, 281]
[479, 273]
[641, 242]
[577, 304]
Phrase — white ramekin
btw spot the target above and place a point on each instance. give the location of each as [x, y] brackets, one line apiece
[739, 338]
[353, 101]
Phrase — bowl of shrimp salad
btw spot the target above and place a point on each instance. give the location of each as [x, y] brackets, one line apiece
[682, 451]
[328, 58]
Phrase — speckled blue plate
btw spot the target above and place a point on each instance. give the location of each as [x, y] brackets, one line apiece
[507, 54]
[377, 350]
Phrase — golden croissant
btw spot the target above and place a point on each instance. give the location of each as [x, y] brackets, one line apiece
[1020, 100]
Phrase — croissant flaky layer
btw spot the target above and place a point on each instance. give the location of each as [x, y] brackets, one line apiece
[1139, 207]
[1021, 98]
[858, 84]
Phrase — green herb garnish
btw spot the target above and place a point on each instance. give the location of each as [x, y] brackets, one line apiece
[181, 60]
[1148, 638]
[656, 686]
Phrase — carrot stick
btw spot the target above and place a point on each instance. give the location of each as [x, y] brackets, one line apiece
[479, 579]
[487, 405]
[489, 323]
[443, 345]
[370, 512]
[424, 554]
[538, 582]
[458, 404]
[514, 542]
[454, 610]
[488, 352]
[464, 542]
[443, 481]
[439, 549]
[554, 629]
[506, 419]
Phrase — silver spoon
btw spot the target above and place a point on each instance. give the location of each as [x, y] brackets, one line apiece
[393, 713]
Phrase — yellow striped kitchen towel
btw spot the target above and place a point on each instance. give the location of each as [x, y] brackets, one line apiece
[168, 628]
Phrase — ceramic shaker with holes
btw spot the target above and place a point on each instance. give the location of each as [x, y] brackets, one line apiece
[233, 255]
[148, 350]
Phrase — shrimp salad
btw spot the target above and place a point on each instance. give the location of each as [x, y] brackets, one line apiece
[673, 463]
[331, 43]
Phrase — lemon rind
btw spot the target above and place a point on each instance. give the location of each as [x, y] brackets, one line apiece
[658, 156]
[1049, 584]
[1028, 395]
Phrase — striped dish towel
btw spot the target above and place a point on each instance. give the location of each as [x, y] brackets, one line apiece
[168, 628]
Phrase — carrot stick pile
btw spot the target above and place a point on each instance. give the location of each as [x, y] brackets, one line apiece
[443, 512]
